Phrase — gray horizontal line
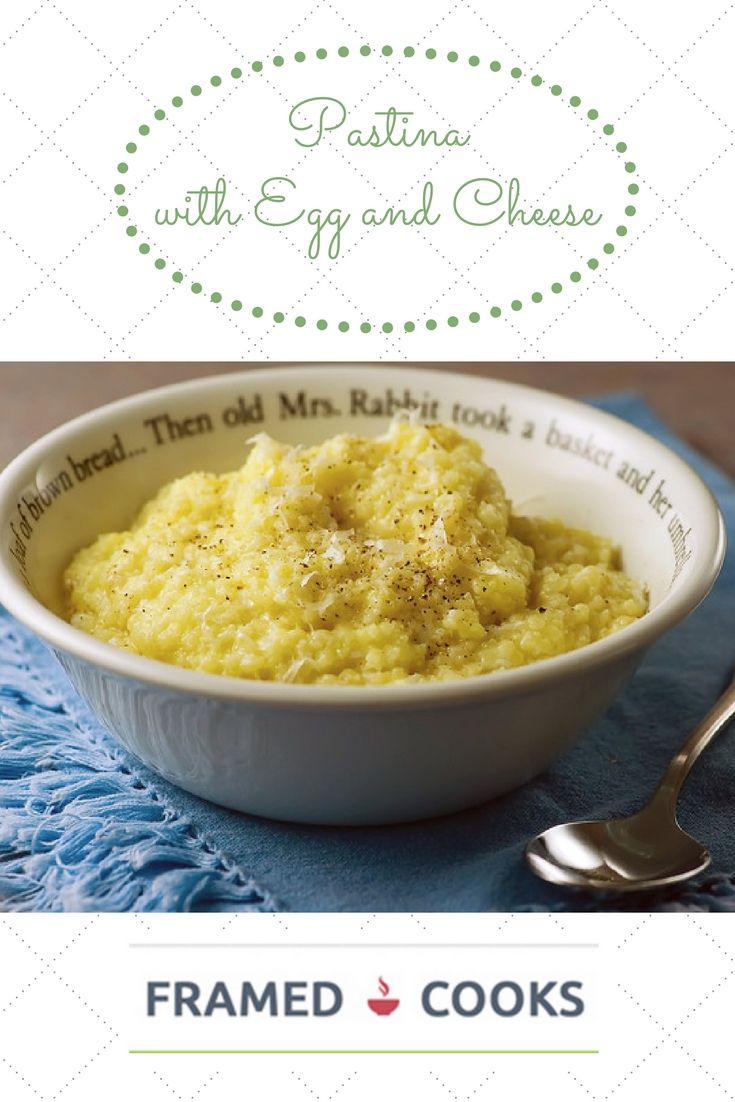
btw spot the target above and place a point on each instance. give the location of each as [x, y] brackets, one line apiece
[363, 945]
[363, 1051]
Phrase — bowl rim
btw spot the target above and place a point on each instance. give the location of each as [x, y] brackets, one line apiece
[61, 636]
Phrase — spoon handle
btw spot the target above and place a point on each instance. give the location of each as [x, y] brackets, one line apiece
[702, 735]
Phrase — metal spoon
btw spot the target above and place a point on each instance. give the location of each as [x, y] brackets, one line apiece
[646, 850]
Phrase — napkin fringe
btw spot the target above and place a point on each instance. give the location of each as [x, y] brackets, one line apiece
[79, 829]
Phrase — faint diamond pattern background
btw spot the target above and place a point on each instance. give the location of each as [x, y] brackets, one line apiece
[75, 77]
[665, 992]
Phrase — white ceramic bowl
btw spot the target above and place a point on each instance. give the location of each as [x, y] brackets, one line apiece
[328, 754]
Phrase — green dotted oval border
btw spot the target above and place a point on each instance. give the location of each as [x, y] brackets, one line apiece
[430, 324]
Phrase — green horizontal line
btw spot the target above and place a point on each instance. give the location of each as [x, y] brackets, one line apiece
[363, 1051]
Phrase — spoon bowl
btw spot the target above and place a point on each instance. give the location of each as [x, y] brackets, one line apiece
[616, 854]
[645, 850]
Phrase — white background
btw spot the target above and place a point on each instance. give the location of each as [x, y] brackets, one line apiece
[77, 79]
[71, 1000]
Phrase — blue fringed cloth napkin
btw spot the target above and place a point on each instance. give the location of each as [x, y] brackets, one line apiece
[84, 826]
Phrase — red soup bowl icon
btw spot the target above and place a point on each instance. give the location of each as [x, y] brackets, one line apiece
[383, 1006]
